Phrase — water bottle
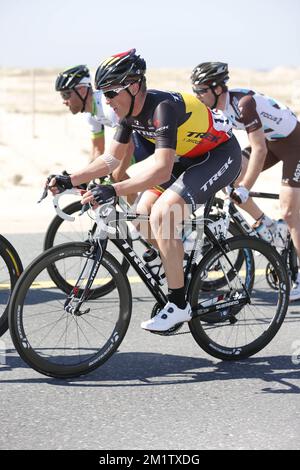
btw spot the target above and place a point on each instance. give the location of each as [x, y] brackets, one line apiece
[188, 239]
[265, 228]
[154, 264]
[281, 233]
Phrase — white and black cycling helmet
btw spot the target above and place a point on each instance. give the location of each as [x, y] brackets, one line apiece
[72, 78]
[210, 73]
[120, 70]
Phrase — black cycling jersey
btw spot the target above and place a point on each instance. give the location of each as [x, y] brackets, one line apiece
[178, 121]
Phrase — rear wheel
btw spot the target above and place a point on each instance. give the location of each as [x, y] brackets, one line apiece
[237, 332]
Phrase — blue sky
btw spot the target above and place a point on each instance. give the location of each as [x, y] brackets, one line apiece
[57, 33]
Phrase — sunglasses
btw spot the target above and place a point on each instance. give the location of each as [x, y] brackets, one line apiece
[113, 93]
[66, 95]
[200, 91]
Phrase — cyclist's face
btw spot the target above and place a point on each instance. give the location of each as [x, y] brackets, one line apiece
[121, 102]
[205, 95]
[72, 100]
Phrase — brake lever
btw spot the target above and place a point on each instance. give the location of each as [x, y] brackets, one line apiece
[45, 193]
[84, 208]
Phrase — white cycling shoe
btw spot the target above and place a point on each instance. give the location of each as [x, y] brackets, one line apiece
[169, 316]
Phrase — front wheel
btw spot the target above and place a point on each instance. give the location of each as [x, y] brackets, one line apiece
[58, 341]
[239, 331]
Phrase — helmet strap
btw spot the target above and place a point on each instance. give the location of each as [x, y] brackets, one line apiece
[215, 95]
[132, 99]
[83, 99]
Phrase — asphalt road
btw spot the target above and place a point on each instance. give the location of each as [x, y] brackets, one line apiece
[155, 393]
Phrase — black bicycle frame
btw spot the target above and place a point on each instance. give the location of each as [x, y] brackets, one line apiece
[98, 247]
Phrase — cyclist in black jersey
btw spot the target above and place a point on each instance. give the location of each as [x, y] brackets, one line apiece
[274, 135]
[208, 157]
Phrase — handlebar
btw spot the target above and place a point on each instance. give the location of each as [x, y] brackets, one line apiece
[57, 207]
[76, 191]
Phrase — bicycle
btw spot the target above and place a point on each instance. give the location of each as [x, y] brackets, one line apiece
[10, 271]
[64, 229]
[70, 332]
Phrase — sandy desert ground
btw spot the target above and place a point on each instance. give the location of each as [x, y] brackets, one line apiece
[38, 136]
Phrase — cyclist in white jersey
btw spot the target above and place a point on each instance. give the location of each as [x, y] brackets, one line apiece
[274, 135]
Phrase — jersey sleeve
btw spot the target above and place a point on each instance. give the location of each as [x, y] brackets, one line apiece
[123, 132]
[166, 124]
[249, 115]
[96, 127]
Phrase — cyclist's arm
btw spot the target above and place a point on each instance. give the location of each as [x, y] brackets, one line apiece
[156, 172]
[98, 167]
[257, 158]
[119, 174]
[98, 144]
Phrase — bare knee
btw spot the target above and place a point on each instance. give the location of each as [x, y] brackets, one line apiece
[164, 222]
[290, 216]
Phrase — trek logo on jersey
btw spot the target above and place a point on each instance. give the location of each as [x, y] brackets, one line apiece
[218, 175]
[192, 136]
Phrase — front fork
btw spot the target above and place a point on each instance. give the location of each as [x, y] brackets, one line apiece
[79, 295]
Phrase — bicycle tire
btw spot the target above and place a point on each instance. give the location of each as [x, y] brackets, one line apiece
[230, 343]
[49, 338]
[49, 241]
[10, 271]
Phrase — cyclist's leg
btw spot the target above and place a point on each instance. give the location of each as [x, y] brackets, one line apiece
[210, 173]
[290, 210]
[290, 205]
[144, 206]
[192, 183]
[200, 178]
[288, 150]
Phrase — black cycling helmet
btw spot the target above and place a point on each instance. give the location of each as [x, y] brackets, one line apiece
[210, 73]
[72, 77]
[120, 69]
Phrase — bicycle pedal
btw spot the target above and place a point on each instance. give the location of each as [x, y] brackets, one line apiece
[171, 332]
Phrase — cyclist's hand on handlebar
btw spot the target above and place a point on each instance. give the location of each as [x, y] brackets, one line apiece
[239, 195]
[59, 183]
[99, 194]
